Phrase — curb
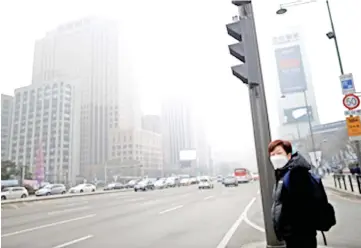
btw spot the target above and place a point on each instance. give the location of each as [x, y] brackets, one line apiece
[55, 197]
[264, 245]
[344, 193]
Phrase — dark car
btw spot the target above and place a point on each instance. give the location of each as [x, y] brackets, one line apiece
[230, 181]
[144, 185]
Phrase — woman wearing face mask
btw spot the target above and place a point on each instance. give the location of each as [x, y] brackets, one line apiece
[292, 210]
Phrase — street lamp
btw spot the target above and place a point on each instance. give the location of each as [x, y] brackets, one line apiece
[331, 35]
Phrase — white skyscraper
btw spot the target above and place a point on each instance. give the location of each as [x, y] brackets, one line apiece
[178, 131]
[46, 119]
[91, 52]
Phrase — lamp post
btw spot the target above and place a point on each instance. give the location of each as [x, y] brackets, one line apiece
[331, 35]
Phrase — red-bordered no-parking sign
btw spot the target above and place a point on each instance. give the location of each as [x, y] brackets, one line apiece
[351, 101]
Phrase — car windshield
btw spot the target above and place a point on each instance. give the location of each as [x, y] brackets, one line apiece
[5, 189]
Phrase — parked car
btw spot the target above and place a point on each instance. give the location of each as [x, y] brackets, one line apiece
[230, 181]
[9, 193]
[132, 183]
[173, 182]
[51, 189]
[205, 183]
[160, 183]
[144, 185]
[30, 189]
[193, 180]
[185, 182]
[83, 188]
[113, 186]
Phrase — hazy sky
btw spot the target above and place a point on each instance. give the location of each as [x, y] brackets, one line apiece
[181, 46]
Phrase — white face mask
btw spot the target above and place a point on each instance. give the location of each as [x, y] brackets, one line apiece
[278, 161]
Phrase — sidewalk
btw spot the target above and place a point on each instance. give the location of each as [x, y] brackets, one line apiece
[329, 183]
[264, 245]
[346, 233]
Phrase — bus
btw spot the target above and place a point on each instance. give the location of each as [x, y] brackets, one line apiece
[243, 175]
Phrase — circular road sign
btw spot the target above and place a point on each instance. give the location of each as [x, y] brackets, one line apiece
[351, 101]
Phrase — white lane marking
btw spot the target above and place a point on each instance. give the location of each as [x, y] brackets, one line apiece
[67, 210]
[258, 192]
[250, 223]
[133, 200]
[232, 230]
[73, 241]
[208, 197]
[171, 209]
[47, 225]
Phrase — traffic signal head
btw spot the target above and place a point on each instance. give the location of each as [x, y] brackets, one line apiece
[234, 29]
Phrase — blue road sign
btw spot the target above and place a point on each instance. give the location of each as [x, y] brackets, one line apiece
[347, 84]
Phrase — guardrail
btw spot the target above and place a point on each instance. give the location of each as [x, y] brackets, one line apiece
[55, 197]
[348, 182]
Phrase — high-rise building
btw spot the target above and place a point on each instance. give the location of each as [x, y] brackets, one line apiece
[139, 152]
[204, 156]
[297, 102]
[6, 118]
[178, 131]
[46, 121]
[91, 52]
[151, 123]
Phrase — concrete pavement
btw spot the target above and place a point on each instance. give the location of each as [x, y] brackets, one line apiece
[180, 217]
[346, 233]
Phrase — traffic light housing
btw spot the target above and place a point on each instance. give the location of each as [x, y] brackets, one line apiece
[237, 50]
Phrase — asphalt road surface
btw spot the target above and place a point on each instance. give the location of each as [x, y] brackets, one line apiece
[180, 217]
[346, 233]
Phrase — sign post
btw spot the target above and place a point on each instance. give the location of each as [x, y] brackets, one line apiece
[351, 101]
[353, 126]
[347, 84]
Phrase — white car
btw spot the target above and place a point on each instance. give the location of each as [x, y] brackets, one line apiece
[14, 193]
[160, 183]
[185, 182]
[83, 188]
[205, 183]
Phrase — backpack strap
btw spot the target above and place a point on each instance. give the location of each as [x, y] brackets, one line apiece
[286, 179]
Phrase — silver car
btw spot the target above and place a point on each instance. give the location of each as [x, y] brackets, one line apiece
[51, 189]
[230, 181]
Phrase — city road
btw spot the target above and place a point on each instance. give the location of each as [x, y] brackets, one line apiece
[180, 217]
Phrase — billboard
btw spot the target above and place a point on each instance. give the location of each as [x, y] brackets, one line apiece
[187, 155]
[297, 115]
[290, 68]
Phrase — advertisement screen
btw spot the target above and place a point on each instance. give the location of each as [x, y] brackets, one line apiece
[297, 115]
[291, 72]
[188, 155]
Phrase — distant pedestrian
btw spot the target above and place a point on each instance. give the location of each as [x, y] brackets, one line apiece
[300, 206]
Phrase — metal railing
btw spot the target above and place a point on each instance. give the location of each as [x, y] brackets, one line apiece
[348, 182]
